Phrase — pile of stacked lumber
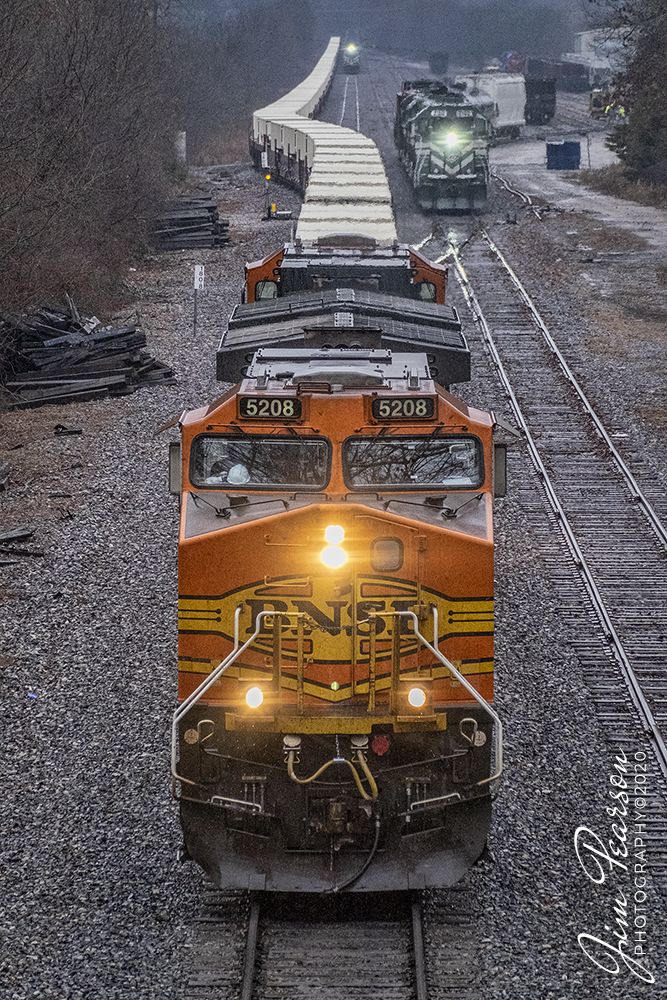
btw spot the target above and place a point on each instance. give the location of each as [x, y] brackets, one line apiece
[191, 221]
[53, 356]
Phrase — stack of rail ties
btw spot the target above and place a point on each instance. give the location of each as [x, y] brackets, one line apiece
[190, 222]
[54, 356]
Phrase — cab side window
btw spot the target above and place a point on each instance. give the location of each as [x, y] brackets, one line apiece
[266, 289]
[426, 291]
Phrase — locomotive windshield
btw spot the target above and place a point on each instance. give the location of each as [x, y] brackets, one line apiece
[259, 462]
[413, 463]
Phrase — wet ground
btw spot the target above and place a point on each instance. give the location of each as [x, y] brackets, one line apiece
[95, 905]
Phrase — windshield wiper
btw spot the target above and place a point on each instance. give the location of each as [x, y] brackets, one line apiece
[447, 512]
[240, 502]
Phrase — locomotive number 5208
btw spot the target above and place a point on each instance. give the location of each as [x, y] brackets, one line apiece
[264, 406]
[403, 408]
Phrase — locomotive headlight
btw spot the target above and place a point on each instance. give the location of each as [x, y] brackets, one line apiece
[417, 697]
[333, 556]
[352, 48]
[254, 697]
[451, 139]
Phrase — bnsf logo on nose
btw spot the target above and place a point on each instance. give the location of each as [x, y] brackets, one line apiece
[339, 616]
[335, 622]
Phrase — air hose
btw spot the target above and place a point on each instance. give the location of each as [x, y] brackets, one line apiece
[357, 875]
[339, 760]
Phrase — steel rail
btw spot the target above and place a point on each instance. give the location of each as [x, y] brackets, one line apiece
[250, 954]
[636, 694]
[342, 114]
[387, 115]
[416, 919]
[635, 490]
[418, 945]
[356, 95]
[525, 198]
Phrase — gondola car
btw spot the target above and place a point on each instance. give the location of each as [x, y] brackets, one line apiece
[443, 143]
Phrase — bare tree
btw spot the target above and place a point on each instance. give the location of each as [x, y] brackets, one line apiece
[85, 134]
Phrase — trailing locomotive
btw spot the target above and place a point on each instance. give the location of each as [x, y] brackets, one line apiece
[335, 727]
[443, 143]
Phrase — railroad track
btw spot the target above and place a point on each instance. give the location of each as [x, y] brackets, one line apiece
[353, 103]
[605, 507]
[389, 946]
[537, 205]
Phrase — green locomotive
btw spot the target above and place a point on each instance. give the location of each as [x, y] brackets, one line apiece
[443, 142]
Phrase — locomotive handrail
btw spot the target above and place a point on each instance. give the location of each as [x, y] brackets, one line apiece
[498, 742]
[196, 695]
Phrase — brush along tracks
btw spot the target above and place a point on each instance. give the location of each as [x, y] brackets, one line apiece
[389, 946]
[605, 505]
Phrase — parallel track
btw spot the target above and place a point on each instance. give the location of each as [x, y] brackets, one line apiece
[259, 946]
[614, 585]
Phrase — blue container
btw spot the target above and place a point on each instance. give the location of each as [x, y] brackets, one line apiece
[563, 155]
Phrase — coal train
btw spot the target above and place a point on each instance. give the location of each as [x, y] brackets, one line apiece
[443, 143]
[335, 727]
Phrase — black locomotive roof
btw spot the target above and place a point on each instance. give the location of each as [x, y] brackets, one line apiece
[327, 253]
[346, 317]
[361, 303]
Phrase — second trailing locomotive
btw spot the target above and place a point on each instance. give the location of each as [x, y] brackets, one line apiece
[443, 142]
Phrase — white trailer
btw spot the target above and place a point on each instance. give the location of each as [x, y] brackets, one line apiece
[501, 97]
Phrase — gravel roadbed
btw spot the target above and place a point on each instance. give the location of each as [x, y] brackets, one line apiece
[95, 904]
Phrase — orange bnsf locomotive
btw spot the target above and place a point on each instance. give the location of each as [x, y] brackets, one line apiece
[335, 727]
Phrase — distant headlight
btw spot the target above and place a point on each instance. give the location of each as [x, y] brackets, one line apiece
[334, 534]
[254, 697]
[352, 48]
[451, 139]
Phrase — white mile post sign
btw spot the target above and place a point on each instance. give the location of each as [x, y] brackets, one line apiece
[199, 284]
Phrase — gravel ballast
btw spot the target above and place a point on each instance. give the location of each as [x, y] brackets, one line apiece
[95, 904]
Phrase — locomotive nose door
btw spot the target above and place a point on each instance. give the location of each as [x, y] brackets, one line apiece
[390, 582]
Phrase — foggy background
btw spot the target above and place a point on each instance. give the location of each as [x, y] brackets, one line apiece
[471, 31]
[95, 90]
